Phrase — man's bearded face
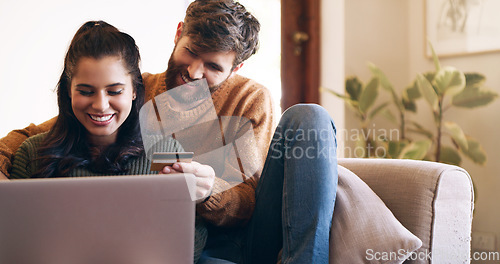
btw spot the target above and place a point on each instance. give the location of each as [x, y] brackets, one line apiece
[186, 65]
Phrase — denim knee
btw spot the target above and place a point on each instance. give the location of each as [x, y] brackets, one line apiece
[307, 115]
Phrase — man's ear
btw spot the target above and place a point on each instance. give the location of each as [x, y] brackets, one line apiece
[178, 32]
[237, 67]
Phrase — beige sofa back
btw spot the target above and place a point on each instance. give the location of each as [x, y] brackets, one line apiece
[432, 200]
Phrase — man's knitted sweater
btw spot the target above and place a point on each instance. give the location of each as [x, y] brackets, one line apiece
[237, 97]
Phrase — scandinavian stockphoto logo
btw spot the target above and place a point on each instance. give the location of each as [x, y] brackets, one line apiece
[186, 116]
[366, 142]
[286, 144]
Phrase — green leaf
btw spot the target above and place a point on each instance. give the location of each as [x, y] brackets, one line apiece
[341, 96]
[389, 116]
[430, 76]
[386, 85]
[416, 150]
[384, 81]
[449, 80]
[420, 130]
[475, 151]
[473, 96]
[379, 149]
[449, 155]
[409, 105]
[377, 110]
[427, 91]
[395, 147]
[353, 87]
[474, 79]
[457, 134]
[435, 57]
[348, 100]
[360, 149]
[412, 93]
[354, 107]
[368, 95]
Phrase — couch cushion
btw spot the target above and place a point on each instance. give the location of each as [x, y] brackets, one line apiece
[416, 192]
[363, 229]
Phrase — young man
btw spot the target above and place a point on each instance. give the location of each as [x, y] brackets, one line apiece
[286, 203]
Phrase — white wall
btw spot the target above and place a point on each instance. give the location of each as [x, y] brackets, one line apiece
[390, 33]
[376, 32]
[35, 36]
[332, 63]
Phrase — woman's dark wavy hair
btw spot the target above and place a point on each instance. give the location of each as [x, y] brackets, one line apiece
[66, 146]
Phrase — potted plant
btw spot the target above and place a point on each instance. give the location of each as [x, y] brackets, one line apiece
[443, 89]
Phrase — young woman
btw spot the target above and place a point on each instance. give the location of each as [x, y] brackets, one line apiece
[97, 130]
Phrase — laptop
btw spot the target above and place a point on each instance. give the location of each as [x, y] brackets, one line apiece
[145, 219]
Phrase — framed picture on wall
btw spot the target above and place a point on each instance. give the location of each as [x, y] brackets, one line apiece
[459, 27]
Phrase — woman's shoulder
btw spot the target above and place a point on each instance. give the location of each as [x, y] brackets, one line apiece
[33, 143]
[24, 162]
[158, 143]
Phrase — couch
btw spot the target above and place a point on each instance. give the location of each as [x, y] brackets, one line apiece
[425, 209]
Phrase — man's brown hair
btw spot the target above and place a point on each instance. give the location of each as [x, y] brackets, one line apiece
[222, 25]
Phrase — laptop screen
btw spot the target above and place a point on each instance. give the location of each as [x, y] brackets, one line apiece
[119, 219]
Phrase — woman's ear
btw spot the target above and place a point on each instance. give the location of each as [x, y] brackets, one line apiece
[134, 95]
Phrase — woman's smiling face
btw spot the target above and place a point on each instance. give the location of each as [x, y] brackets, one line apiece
[101, 97]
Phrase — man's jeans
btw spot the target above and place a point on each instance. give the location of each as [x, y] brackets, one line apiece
[295, 196]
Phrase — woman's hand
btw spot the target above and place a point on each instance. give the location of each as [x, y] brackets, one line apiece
[205, 176]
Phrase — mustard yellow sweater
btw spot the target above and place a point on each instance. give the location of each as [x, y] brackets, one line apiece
[237, 97]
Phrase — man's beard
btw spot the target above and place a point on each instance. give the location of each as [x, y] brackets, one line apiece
[173, 72]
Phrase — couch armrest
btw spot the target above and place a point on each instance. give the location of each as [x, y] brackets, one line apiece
[432, 200]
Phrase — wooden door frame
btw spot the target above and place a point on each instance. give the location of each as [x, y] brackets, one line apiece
[300, 75]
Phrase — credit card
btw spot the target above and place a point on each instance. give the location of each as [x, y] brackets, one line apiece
[162, 159]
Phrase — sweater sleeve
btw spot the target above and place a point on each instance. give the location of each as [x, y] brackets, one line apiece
[10, 143]
[233, 205]
[23, 160]
[232, 202]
